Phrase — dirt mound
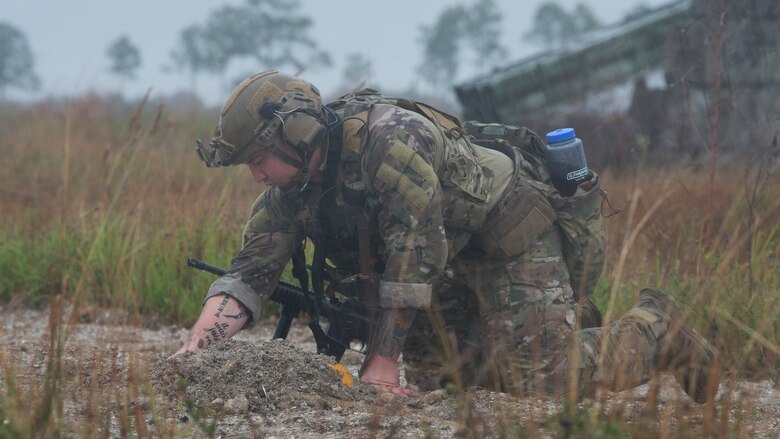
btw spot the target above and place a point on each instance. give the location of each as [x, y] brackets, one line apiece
[268, 375]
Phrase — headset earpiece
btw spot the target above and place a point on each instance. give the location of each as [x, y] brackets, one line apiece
[269, 109]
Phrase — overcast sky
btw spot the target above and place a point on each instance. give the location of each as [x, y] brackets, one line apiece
[69, 39]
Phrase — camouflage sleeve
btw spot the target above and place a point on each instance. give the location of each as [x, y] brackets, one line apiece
[268, 243]
[401, 152]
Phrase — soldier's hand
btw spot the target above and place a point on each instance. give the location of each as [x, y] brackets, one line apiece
[383, 373]
[395, 389]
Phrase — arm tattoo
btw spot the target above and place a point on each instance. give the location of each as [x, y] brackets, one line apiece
[218, 331]
[215, 333]
[240, 315]
[391, 330]
[205, 341]
[222, 306]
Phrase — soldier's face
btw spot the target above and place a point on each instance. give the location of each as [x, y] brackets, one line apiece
[271, 170]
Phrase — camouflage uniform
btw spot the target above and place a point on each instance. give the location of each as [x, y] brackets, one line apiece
[435, 196]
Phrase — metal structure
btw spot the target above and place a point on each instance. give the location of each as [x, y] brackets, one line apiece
[552, 81]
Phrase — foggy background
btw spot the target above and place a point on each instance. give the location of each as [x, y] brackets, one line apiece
[69, 42]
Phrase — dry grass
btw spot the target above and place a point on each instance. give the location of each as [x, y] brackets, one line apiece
[106, 202]
[102, 203]
[727, 285]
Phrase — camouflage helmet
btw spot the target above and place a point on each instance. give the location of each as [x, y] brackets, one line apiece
[266, 107]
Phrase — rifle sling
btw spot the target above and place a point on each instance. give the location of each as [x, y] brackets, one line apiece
[366, 222]
[326, 204]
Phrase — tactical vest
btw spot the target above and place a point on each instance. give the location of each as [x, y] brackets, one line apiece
[578, 217]
[466, 185]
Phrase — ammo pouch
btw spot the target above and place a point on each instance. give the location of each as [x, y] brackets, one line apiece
[521, 216]
[583, 233]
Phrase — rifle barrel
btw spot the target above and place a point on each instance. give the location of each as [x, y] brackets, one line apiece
[200, 265]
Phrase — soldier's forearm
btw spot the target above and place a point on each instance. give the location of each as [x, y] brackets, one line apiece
[221, 318]
[391, 330]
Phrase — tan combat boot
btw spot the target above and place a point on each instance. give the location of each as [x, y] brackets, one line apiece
[681, 350]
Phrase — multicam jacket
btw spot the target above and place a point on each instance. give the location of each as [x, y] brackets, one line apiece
[428, 188]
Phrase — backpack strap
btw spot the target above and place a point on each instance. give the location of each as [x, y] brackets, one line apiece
[446, 121]
[356, 110]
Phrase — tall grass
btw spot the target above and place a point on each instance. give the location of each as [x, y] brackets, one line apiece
[669, 249]
[102, 203]
[108, 201]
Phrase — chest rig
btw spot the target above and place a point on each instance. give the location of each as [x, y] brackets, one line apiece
[466, 188]
[350, 209]
[466, 184]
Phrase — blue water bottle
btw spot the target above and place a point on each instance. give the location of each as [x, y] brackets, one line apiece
[566, 160]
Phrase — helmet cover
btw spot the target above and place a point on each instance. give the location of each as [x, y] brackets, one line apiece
[261, 110]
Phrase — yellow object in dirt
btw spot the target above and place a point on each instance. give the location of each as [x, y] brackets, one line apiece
[346, 377]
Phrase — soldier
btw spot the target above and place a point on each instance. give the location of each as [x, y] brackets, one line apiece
[455, 245]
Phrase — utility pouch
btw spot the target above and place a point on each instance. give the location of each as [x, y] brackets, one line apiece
[463, 172]
[517, 222]
[466, 187]
[584, 234]
[463, 214]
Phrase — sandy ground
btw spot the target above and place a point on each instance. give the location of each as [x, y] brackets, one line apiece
[115, 378]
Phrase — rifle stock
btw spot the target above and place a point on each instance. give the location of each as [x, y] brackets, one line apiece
[347, 319]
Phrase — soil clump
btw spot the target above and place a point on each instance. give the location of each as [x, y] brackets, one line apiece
[269, 374]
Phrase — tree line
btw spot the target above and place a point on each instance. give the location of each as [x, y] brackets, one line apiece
[276, 34]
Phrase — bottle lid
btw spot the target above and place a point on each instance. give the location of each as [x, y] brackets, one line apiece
[560, 135]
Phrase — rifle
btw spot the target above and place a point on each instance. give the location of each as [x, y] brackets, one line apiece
[347, 319]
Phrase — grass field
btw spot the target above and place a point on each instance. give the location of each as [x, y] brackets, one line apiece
[101, 204]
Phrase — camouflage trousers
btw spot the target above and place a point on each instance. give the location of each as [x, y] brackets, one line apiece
[514, 326]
